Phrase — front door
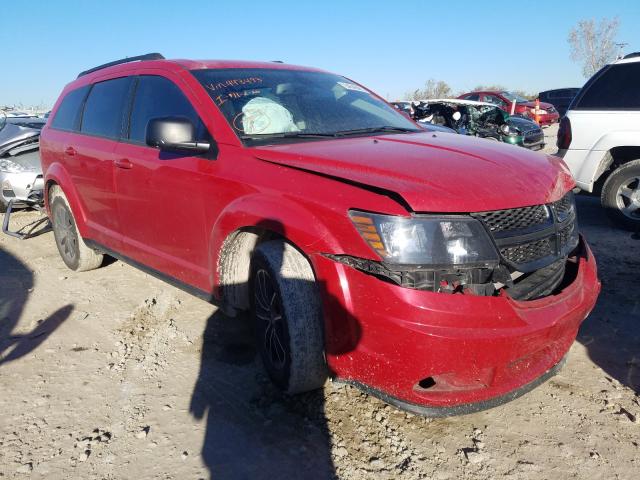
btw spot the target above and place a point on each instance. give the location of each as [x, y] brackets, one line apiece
[159, 194]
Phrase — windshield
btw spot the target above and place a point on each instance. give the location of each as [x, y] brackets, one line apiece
[514, 96]
[266, 104]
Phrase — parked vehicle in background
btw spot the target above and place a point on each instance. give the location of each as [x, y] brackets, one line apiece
[20, 169]
[16, 114]
[404, 106]
[479, 119]
[599, 138]
[442, 273]
[560, 98]
[407, 109]
[523, 106]
[31, 122]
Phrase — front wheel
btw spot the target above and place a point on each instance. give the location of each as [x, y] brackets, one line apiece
[288, 316]
[621, 195]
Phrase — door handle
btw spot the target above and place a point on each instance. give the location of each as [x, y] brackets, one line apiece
[70, 151]
[124, 163]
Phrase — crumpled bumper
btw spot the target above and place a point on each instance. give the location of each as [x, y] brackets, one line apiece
[441, 354]
[18, 186]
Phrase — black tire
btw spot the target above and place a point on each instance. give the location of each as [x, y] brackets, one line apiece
[621, 195]
[75, 254]
[288, 316]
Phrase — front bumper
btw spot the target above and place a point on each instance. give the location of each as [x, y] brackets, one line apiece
[18, 186]
[442, 354]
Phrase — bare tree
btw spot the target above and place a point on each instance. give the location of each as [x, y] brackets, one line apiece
[432, 89]
[593, 44]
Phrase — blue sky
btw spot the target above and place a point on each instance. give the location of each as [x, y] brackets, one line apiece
[390, 46]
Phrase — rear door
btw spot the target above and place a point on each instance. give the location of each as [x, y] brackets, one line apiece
[160, 195]
[89, 157]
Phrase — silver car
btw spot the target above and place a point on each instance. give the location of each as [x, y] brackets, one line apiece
[20, 169]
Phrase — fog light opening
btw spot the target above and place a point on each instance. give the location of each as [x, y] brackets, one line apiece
[427, 383]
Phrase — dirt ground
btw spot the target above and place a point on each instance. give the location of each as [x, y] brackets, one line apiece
[112, 374]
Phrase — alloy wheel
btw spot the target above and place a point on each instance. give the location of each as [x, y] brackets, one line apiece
[66, 232]
[268, 309]
[628, 198]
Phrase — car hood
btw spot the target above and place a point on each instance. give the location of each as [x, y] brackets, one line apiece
[28, 160]
[433, 172]
[522, 124]
[13, 134]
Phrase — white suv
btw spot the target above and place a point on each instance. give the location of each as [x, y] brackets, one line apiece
[600, 137]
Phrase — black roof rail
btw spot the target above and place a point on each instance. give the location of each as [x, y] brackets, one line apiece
[148, 56]
[632, 55]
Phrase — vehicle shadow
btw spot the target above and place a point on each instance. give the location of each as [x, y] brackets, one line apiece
[611, 334]
[16, 281]
[253, 430]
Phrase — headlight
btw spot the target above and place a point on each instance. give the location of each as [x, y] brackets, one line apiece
[435, 241]
[504, 128]
[9, 166]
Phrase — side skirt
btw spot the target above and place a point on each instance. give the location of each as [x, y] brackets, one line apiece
[196, 292]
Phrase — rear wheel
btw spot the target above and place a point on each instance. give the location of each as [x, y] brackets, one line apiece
[621, 195]
[287, 312]
[75, 254]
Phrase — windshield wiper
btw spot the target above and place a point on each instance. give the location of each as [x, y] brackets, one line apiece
[384, 128]
[286, 135]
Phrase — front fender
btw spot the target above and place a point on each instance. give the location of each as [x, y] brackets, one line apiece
[56, 173]
[275, 213]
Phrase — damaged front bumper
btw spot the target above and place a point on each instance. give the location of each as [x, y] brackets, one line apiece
[20, 186]
[445, 354]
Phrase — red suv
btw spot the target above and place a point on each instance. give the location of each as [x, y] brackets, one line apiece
[547, 114]
[442, 273]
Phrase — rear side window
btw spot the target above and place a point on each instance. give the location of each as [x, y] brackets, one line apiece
[159, 97]
[474, 96]
[494, 100]
[68, 114]
[104, 108]
[617, 88]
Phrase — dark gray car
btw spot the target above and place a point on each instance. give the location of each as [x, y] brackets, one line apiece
[20, 169]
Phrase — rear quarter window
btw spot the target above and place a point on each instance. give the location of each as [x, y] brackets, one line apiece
[616, 88]
[67, 116]
[104, 109]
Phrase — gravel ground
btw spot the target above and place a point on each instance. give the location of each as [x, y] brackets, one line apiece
[550, 136]
[113, 374]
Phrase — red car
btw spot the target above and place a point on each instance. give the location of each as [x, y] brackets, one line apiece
[442, 273]
[547, 114]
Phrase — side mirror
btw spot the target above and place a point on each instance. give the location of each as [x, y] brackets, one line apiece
[174, 134]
